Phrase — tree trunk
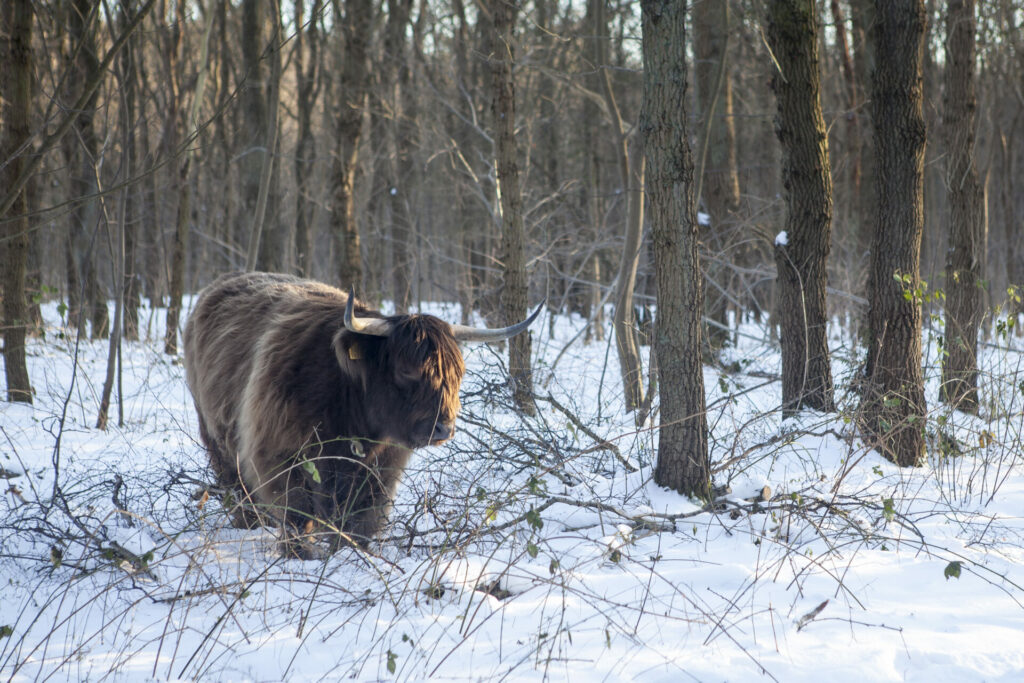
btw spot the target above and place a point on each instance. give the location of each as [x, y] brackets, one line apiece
[720, 183]
[15, 133]
[307, 69]
[631, 180]
[967, 228]
[130, 220]
[513, 249]
[398, 179]
[357, 26]
[252, 151]
[173, 45]
[806, 176]
[862, 16]
[893, 404]
[273, 237]
[81, 150]
[683, 437]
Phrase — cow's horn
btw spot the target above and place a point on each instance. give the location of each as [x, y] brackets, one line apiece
[464, 333]
[371, 326]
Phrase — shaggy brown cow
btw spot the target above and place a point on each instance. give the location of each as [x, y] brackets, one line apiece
[310, 403]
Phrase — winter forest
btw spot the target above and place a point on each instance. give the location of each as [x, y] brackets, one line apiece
[769, 423]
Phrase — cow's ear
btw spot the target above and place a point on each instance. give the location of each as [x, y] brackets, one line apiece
[350, 349]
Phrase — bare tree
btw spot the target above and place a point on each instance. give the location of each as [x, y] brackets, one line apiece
[184, 129]
[683, 436]
[357, 25]
[307, 63]
[514, 289]
[400, 107]
[719, 183]
[967, 227]
[893, 404]
[15, 138]
[631, 179]
[85, 293]
[807, 181]
[269, 241]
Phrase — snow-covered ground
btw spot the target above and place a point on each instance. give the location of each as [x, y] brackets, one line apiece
[525, 549]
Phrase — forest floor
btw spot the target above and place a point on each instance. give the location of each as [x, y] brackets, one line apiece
[526, 548]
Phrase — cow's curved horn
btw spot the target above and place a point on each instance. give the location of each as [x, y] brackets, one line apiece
[464, 333]
[372, 326]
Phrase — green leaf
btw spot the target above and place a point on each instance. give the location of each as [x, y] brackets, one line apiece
[6, 631]
[888, 510]
[952, 569]
[491, 514]
[532, 550]
[392, 662]
[553, 566]
[311, 470]
[533, 518]
[535, 485]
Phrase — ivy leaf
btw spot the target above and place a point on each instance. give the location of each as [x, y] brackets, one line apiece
[952, 569]
[534, 519]
[888, 510]
[311, 470]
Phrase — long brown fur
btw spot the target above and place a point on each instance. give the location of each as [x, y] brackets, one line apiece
[286, 396]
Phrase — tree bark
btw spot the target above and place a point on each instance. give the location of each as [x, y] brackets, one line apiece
[720, 183]
[86, 297]
[398, 179]
[15, 135]
[357, 25]
[273, 238]
[513, 249]
[631, 178]
[801, 258]
[893, 405]
[130, 220]
[307, 69]
[968, 230]
[683, 439]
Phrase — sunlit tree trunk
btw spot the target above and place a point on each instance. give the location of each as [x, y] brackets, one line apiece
[631, 179]
[513, 248]
[720, 184]
[16, 99]
[893, 404]
[356, 25]
[968, 231]
[86, 297]
[398, 179]
[801, 257]
[307, 69]
[683, 436]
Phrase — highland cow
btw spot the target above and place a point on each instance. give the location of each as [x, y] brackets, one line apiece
[310, 403]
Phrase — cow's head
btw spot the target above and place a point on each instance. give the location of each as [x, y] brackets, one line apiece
[411, 369]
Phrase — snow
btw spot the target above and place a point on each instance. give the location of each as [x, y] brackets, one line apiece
[614, 579]
[703, 218]
[782, 239]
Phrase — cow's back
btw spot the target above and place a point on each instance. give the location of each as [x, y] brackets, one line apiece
[221, 340]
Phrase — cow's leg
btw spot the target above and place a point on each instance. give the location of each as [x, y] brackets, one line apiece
[371, 494]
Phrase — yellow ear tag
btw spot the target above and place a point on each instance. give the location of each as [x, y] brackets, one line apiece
[355, 352]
